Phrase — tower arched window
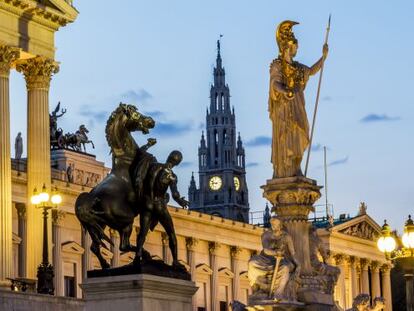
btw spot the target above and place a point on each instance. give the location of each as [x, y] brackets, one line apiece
[217, 101]
[222, 101]
[216, 140]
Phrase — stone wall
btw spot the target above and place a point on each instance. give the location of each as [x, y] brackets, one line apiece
[33, 302]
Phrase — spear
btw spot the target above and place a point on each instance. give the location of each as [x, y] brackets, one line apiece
[317, 98]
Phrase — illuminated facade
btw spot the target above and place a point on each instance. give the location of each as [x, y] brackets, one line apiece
[214, 249]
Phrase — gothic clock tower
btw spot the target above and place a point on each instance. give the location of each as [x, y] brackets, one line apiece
[222, 176]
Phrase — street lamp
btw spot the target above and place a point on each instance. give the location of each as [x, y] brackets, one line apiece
[404, 254]
[45, 271]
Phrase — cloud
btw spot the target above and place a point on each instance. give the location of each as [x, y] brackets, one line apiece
[252, 164]
[259, 141]
[378, 118]
[134, 97]
[327, 98]
[339, 161]
[172, 128]
[91, 112]
[154, 114]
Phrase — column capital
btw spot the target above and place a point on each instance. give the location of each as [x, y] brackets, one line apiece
[353, 261]
[364, 263]
[21, 210]
[375, 266]
[386, 268]
[38, 71]
[213, 247]
[8, 55]
[340, 259]
[191, 243]
[57, 216]
[235, 252]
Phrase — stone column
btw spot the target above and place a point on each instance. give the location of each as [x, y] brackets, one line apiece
[165, 248]
[375, 280]
[340, 261]
[115, 248]
[7, 56]
[364, 276]
[38, 72]
[354, 277]
[386, 287]
[235, 257]
[87, 254]
[191, 244]
[57, 217]
[213, 248]
[21, 213]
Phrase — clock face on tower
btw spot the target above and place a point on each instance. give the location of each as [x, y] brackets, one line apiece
[215, 183]
[236, 183]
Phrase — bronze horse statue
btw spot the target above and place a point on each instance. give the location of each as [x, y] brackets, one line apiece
[114, 201]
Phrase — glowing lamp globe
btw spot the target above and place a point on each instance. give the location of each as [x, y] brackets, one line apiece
[44, 196]
[386, 244]
[56, 199]
[35, 199]
[408, 236]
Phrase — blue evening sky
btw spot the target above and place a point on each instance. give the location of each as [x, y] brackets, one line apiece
[159, 55]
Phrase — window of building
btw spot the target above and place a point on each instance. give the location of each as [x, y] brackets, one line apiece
[223, 306]
[69, 285]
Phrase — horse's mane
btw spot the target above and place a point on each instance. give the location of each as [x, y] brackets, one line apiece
[110, 125]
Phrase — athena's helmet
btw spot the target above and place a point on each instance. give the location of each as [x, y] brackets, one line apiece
[175, 157]
[285, 35]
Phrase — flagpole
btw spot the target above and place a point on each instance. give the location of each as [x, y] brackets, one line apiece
[317, 99]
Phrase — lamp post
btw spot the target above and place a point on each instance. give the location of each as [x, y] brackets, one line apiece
[45, 271]
[404, 253]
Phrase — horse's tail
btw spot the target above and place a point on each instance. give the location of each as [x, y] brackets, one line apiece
[91, 219]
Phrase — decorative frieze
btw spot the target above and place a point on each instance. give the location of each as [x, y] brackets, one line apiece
[361, 230]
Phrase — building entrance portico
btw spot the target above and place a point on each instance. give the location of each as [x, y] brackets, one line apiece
[27, 30]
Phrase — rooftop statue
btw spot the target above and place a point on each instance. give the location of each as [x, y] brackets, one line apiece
[288, 79]
[18, 146]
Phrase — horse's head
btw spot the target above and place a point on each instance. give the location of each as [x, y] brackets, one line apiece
[136, 121]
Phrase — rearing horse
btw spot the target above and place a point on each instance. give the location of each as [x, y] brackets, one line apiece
[113, 201]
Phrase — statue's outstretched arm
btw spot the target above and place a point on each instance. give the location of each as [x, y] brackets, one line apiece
[176, 195]
[291, 249]
[317, 66]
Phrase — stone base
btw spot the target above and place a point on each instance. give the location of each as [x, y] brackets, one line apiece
[154, 267]
[138, 292]
[271, 305]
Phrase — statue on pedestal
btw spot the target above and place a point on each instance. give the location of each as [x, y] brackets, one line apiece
[273, 274]
[136, 186]
[18, 146]
[288, 79]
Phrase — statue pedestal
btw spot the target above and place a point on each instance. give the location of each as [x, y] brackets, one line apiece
[138, 292]
[292, 199]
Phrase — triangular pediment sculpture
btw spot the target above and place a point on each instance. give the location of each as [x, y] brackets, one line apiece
[363, 227]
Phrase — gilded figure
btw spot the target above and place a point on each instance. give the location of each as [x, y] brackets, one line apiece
[288, 79]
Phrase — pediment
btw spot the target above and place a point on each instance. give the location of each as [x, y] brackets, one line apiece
[244, 275]
[363, 227]
[203, 268]
[226, 273]
[72, 247]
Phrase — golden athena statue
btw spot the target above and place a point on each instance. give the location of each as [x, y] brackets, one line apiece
[288, 80]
